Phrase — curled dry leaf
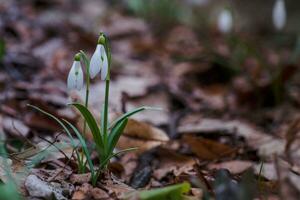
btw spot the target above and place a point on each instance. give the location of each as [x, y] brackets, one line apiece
[141, 135]
[208, 149]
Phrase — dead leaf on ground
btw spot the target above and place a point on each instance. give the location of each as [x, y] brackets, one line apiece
[40, 122]
[234, 166]
[156, 99]
[267, 145]
[116, 189]
[15, 127]
[87, 192]
[141, 135]
[208, 149]
[80, 178]
[172, 162]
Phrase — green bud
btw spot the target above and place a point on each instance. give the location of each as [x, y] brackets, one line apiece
[77, 57]
[101, 39]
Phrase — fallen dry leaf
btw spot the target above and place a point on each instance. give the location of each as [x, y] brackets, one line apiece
[80, 178]
[141, 135]
[116, 189]
[88, 192]
[234, 166]
[15, 127]
[174, 163]
[208, 149]
[267, 145]
[155, 99]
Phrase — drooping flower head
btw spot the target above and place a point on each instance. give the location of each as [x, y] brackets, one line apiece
[99, 60]
[279, 14]
[75, 77]
[225, 21]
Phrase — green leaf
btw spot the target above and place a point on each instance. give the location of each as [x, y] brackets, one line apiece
[87, 115]
[102, 118]
[116, 154]
[9, 190]
[115, 134]
[106, 160]
[130, 113]
[173, 192]
[2, 49]
[84, 147]
[57, 120]
[61, 124]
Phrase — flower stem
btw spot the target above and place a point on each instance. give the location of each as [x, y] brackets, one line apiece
[87, 92]
[105, 113]
[86, 103]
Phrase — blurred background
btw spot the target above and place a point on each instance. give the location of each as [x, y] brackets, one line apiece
[220, 58]
[225, 71]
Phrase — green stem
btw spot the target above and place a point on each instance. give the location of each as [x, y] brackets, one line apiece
[86, 103]
[87, 92]
[105, 114]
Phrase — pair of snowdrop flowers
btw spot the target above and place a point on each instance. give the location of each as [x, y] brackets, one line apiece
[99, 62]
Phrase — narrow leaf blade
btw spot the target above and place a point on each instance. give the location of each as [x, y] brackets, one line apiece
[84, 146]
[115, 134]
[61, 124]
[91, 123]
[57, 120]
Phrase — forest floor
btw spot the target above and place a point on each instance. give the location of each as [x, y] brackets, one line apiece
[229, 124]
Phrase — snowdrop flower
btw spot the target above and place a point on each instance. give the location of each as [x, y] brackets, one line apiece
[225, 21]
[279, 14]
[99, 60]
[75, 77]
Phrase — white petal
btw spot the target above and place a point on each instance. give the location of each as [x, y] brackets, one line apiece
[79, 80]
[225, 21]
[104, 70]
[95, 64]
[71, 77]
[279, 14]
[75, 77]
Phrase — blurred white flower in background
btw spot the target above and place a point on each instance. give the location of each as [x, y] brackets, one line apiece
[279, 14]
[75, 77]
[225, 21]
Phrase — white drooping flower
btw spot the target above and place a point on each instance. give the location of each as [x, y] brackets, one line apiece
[75, 77]
[225, 21]
[279, 14]
[99, 62]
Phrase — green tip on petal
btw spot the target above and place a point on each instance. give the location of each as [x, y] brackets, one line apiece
[101, 39]
[77, 57]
